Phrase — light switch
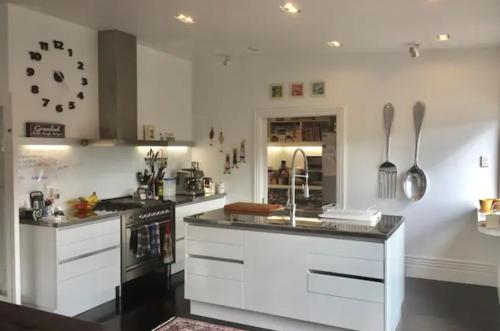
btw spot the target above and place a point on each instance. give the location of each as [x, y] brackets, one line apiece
[483, 162]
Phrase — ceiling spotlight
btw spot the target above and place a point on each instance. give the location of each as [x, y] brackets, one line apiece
[227, 60]
[414, 50]
[334, 43]
[185, 19]
[290, 8]
[443, 37]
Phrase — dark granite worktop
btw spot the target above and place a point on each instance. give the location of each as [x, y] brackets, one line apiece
[306, 224]
[182, 200]
[73, 220]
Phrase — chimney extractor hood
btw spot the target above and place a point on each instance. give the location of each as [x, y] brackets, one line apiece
[118, 93]
[117, 86]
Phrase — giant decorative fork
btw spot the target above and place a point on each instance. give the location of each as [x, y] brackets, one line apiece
[387, 172]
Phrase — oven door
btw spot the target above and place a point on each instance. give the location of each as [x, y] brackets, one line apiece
[133, 266]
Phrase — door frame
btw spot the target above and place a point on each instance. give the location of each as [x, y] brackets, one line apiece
[260, 145]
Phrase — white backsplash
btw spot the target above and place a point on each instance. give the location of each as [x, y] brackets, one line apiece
[79, 171]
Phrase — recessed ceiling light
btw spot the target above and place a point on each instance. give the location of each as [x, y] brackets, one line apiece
[290, 8]
[443, 37]
[334, 43]
[185, 19]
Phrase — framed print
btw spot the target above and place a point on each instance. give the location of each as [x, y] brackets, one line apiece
[276, 91]
[297, 90]
[318, 88]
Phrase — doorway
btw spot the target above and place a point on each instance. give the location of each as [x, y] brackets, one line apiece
[320, 133]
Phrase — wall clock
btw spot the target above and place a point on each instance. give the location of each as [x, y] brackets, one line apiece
[52, 63]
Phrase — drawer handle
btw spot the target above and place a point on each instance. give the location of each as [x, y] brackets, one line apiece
[204, 257]
[328, 273]
[74, 258]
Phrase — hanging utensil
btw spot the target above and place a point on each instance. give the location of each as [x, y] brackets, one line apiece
[387, 172]
[415, 181]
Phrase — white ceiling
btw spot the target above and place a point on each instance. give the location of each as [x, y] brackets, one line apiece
[230, 26]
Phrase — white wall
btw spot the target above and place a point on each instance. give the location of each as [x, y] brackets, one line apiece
[3, 96]
[462, 91]
[24, 37]
[164, 93]
[164, 99]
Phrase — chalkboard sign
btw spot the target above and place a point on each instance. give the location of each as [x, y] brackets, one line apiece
[45, 130]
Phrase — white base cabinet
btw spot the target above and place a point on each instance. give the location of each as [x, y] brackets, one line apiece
[69, 270]
[249, 276]
[184, 211]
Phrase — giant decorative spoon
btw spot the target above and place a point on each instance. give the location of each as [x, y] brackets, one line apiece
[415, 182]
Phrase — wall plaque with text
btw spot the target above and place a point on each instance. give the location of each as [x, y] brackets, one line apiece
[45, 130]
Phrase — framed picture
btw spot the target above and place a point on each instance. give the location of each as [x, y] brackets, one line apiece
[276, 91]
[318, 88]
[297, 90]
[149, 132]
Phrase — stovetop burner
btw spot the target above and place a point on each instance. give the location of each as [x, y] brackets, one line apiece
[126, 203]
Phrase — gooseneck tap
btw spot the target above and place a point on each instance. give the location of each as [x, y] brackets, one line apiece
[291, 188]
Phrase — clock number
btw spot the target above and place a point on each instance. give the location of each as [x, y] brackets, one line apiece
[59, 108]
[70, 52]
[35, 89]
[45, 102]
[35, 56]
[84, 81]
[80, 65]
[71, 105]
[80, 95]
[58, 44]
[30, 71]
[44, 46]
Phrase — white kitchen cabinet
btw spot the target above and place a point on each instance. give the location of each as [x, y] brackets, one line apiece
[69, 270]
[287, 281]
[182, 211]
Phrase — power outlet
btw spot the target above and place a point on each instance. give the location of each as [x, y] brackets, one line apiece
[483, 162]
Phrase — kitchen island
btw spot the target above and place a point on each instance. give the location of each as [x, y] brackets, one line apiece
[262, 271]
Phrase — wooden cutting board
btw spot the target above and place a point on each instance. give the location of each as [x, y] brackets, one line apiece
[252, 208]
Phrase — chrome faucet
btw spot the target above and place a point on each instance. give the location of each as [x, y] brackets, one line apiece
[291, 188]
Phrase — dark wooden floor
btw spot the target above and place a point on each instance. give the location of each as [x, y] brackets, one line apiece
[429, 306]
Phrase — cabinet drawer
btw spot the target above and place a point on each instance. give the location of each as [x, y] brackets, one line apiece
[217, 235]
[90, 263]
[213, 249]
[345, 313]
[85, 232]
[214, 268]
[347, 248]
[81, 248]
[87, 291]
[346, 265]
[328, 284]
[214, 290]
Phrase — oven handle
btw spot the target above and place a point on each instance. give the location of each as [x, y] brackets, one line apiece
[138, 226]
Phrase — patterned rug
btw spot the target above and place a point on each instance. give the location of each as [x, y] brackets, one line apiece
[184, 324]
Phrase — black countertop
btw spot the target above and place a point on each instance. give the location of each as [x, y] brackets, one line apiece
[305, 225]
[182, 200]
[70, 220]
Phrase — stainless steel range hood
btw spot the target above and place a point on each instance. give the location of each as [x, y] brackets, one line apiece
[118, 93]
[117, 86]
